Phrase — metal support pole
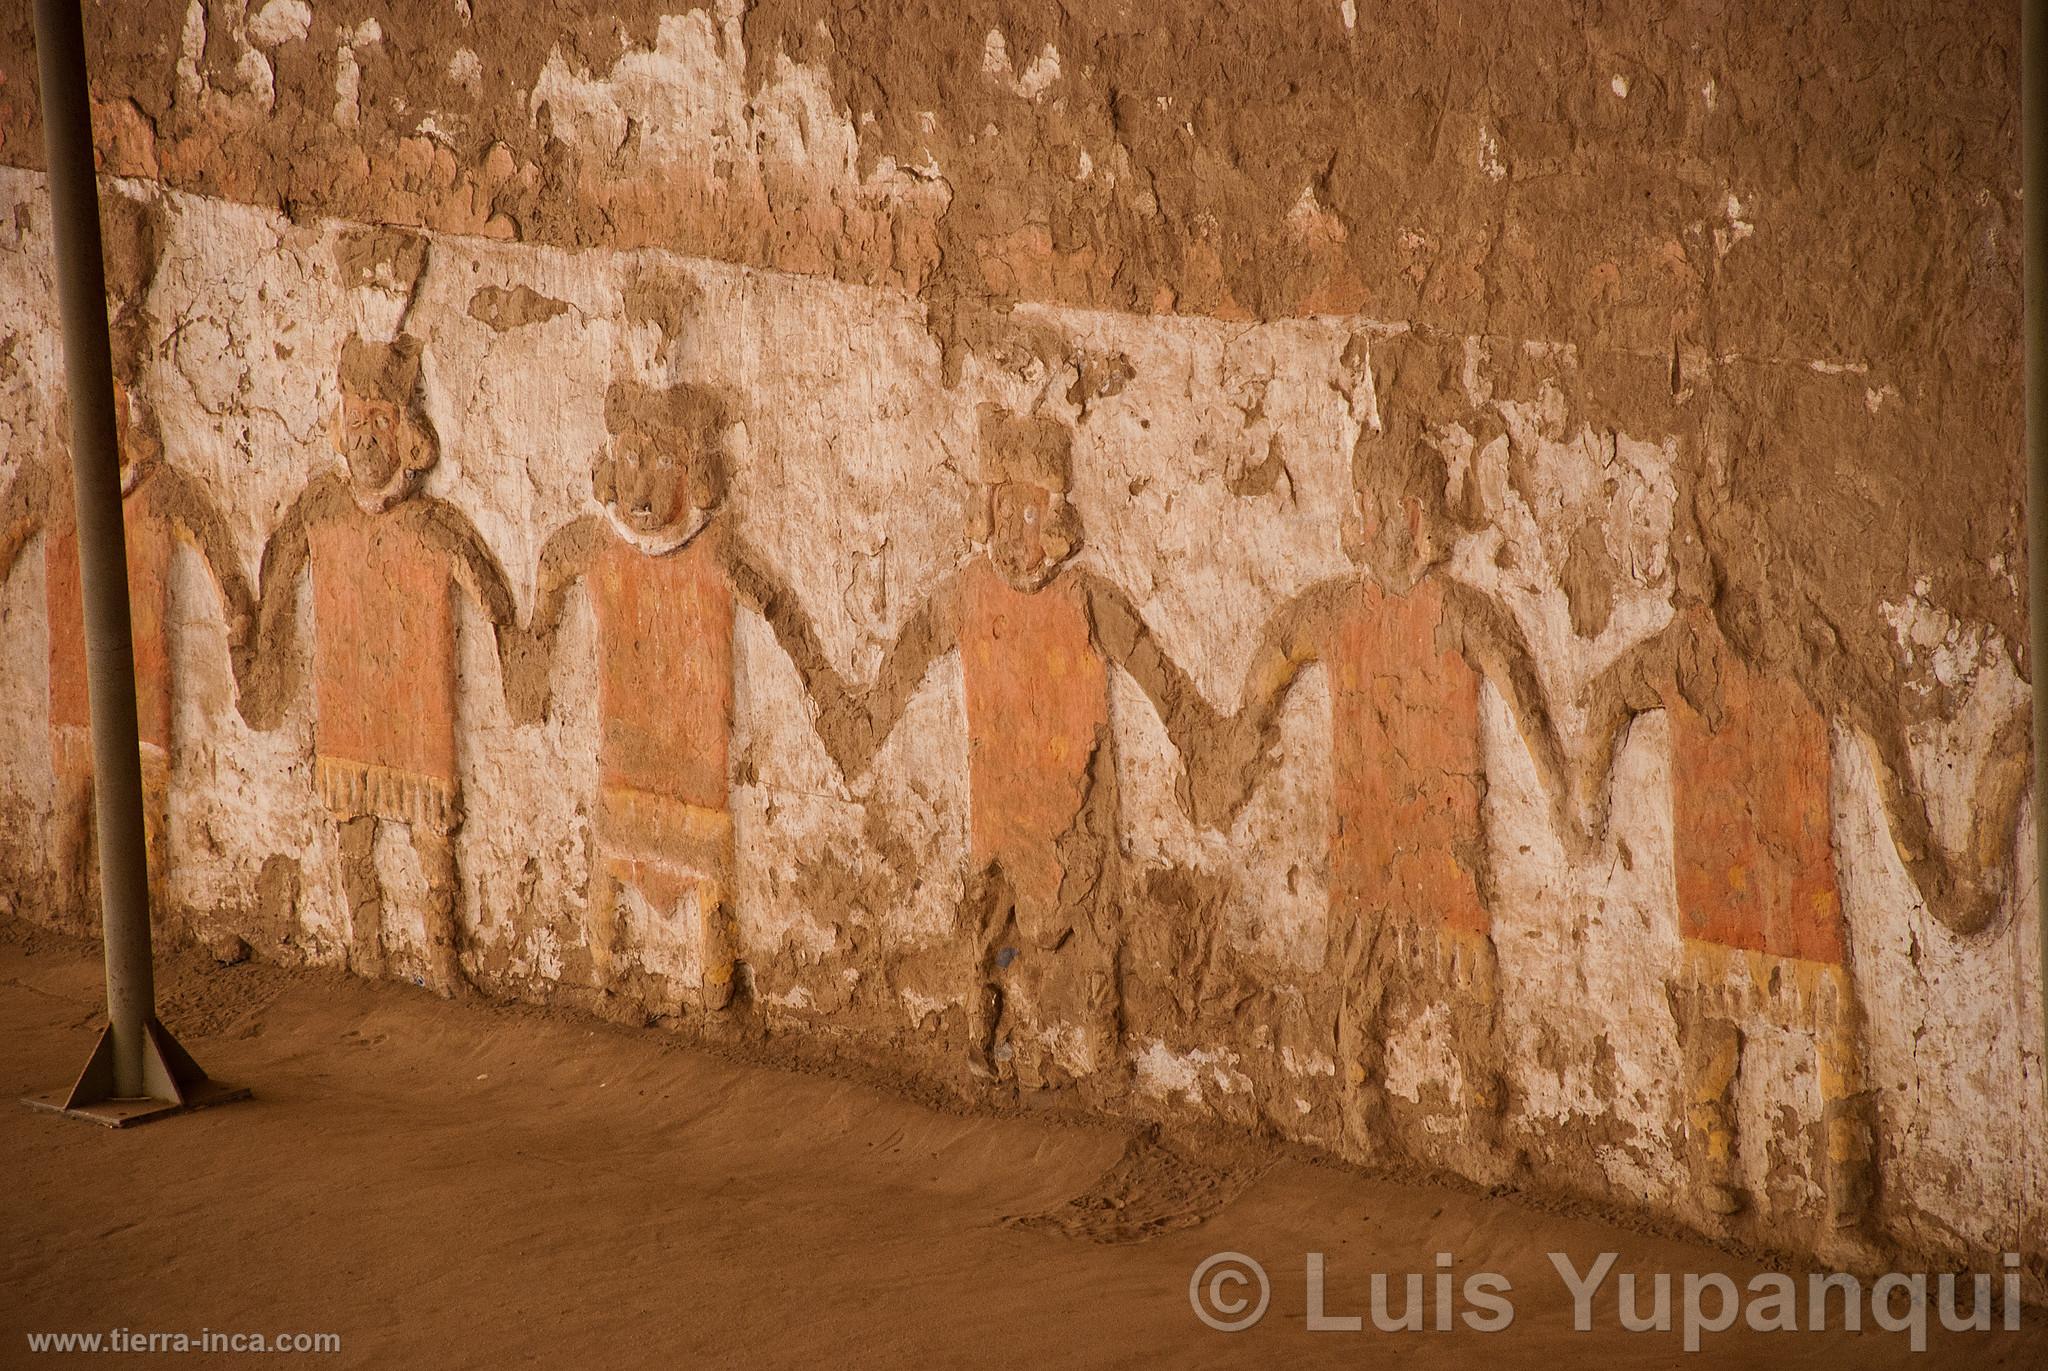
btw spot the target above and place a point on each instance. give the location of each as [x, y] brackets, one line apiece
[138, 1070]
[2034, 172]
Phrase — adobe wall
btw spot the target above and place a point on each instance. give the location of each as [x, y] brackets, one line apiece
[1440, 583]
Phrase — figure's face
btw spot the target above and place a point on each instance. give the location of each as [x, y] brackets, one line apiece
[659, 492]
[1389, 539]
[1031, 533]
[386, 451]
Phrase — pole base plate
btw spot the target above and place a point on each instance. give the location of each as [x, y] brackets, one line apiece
[172, 1079]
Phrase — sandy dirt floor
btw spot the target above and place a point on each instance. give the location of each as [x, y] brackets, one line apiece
[446, 1185]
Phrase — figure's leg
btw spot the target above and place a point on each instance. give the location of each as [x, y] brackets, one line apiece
[72, 852]
[609, 874]
[1471, 978]
[990, 909]
[648, 917]
[1361, 992]
[357, 840]
[436, 850]
[1105, 999]
[719, 931]
[156, 835]
[1067, 1000]
[1078, 978]
[1846, 1106]
[985, 1006]
[1713, 1064]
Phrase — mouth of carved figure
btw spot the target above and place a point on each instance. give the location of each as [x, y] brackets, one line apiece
[654, 532]
[649, 494]
[370, 463]
[1025, 576]
[1019, 557]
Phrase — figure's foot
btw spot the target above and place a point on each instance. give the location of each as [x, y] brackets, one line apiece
[1855, 1246]
[445, 974]
[985, 1031]
[992, 1063]
[1489, 1093]
[721, 987]
[1852, 1173]
[1716, 1197]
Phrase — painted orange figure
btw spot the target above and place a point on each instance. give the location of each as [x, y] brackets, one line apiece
[1406, 651]
[1759, 909]
[1035, 634]
[1037, 707]
[151, 544]
[385, 562]
[161, 510]
[655, 568]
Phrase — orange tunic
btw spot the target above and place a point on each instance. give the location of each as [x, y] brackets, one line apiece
[384, 646]
[1037, 700]
[664, 629]
[151, 542]
[1405, 831]
[1752, 822]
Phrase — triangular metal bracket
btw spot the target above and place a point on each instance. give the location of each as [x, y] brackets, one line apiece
[174, 1082]
[168, 1071]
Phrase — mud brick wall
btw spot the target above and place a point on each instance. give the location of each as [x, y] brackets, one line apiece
[1442, 582]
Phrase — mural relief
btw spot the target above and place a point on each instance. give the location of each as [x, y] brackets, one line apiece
[1405, 651]
[1039, 919]
[354, 622]
[385, 563]
[162, 510]
[1759, 910]
[655, 571]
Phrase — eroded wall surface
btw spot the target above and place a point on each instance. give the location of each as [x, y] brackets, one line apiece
[1440, 583]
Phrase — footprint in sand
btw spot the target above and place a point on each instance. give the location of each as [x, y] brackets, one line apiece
[1150, 1190]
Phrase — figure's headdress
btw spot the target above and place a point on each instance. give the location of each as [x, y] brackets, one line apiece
[1027, 448]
